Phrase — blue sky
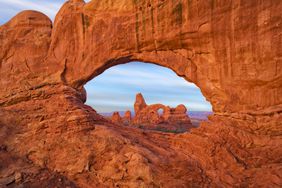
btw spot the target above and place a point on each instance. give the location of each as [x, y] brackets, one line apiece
[115, 89]
[9, 8]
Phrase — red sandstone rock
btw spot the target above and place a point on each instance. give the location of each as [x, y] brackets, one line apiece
[127, 117]
[116, 118]
[149, 114]
[230, 49]
[139, 104]
[177, 115]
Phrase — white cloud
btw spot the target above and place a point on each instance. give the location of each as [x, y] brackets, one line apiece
[129, 76]
[46, 7]
[10, 8]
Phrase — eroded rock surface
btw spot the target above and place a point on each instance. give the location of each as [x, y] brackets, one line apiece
[230, 49]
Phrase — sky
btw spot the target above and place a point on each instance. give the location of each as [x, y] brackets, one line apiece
[9, 8]
[115, 89]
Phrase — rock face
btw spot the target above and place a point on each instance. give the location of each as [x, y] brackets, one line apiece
[230, 49]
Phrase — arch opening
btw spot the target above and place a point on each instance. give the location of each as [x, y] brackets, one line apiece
[166, 98]
[161, 112]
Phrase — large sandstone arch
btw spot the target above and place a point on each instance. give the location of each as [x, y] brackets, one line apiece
[208, 43]
[230, 49]
[197, 46]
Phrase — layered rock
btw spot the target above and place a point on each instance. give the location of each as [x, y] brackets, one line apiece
[230, 49]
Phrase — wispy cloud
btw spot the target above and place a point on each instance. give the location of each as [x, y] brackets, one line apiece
[12, 7]
[128, 75]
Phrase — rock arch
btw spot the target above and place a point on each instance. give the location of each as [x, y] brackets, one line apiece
[230, 49]
[89, 38]
[192, 48]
